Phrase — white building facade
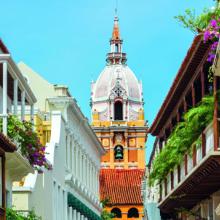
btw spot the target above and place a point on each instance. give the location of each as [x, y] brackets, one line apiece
[14, 93]
[71, 189]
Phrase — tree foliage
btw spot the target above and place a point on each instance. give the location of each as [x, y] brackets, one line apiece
[106, 215]
[198, 23]
[14, 215]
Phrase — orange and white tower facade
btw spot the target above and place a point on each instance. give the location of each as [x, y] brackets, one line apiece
[118, 121]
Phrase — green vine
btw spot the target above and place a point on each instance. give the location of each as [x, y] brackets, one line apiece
[181, 139]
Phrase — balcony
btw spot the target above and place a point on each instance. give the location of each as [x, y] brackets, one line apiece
[195, 178]
[116, 57]
[16, 99]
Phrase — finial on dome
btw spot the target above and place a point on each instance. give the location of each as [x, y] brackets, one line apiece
[116, 32]
[116, 56]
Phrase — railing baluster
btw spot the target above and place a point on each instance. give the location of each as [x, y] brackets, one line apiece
[203, 145]
[185, 164]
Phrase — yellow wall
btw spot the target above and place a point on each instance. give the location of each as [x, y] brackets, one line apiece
[132, 142]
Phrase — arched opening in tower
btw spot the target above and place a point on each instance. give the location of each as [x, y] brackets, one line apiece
[118, 110]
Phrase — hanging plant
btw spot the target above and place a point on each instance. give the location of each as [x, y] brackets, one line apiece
[181, 139]
[29, 144]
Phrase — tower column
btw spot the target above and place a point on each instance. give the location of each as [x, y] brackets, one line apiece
[112, 110]
[111, 150]
[124, 110]
[126, 151]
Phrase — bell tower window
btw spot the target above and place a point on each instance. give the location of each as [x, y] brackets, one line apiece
[118, 110]
[118, 152]
[116, 48]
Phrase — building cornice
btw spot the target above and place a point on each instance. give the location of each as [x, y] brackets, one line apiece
[69, 101]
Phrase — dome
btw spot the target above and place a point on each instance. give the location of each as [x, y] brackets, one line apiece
[113, 75]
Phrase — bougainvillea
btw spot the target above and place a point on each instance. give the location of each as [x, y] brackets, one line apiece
[208, 24]
[29, 144]
[212, 34]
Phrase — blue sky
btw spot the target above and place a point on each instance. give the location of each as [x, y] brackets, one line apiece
[66, 42]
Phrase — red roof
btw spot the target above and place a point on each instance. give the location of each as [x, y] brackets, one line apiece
[121, 186]
[3, 47]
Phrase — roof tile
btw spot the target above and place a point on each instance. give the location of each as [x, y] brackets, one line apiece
[121, 186]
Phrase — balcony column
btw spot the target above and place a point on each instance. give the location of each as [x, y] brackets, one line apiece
[203, 145]
[193, 96]
[215, 118]
[22, 105]
[185, 105]
[5, 97]
[203, 82]
[32, 114]
[178, 116]
[15, 102]
[194, 156]
[186, 164]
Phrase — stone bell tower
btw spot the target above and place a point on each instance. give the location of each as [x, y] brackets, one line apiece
[117, 110]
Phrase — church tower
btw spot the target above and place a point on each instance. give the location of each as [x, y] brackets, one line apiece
[118, 121]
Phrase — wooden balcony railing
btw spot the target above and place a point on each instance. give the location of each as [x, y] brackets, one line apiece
[189, 163]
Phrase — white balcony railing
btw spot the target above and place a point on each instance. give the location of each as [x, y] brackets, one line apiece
[15, 94]
[189, 163]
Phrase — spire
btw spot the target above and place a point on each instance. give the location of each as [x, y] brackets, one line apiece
[116, 56]
[116, 32]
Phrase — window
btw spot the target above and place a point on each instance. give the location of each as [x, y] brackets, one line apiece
[118, 110]
[116, 48]
[116, 212]
[133, 213]
[118, 152]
